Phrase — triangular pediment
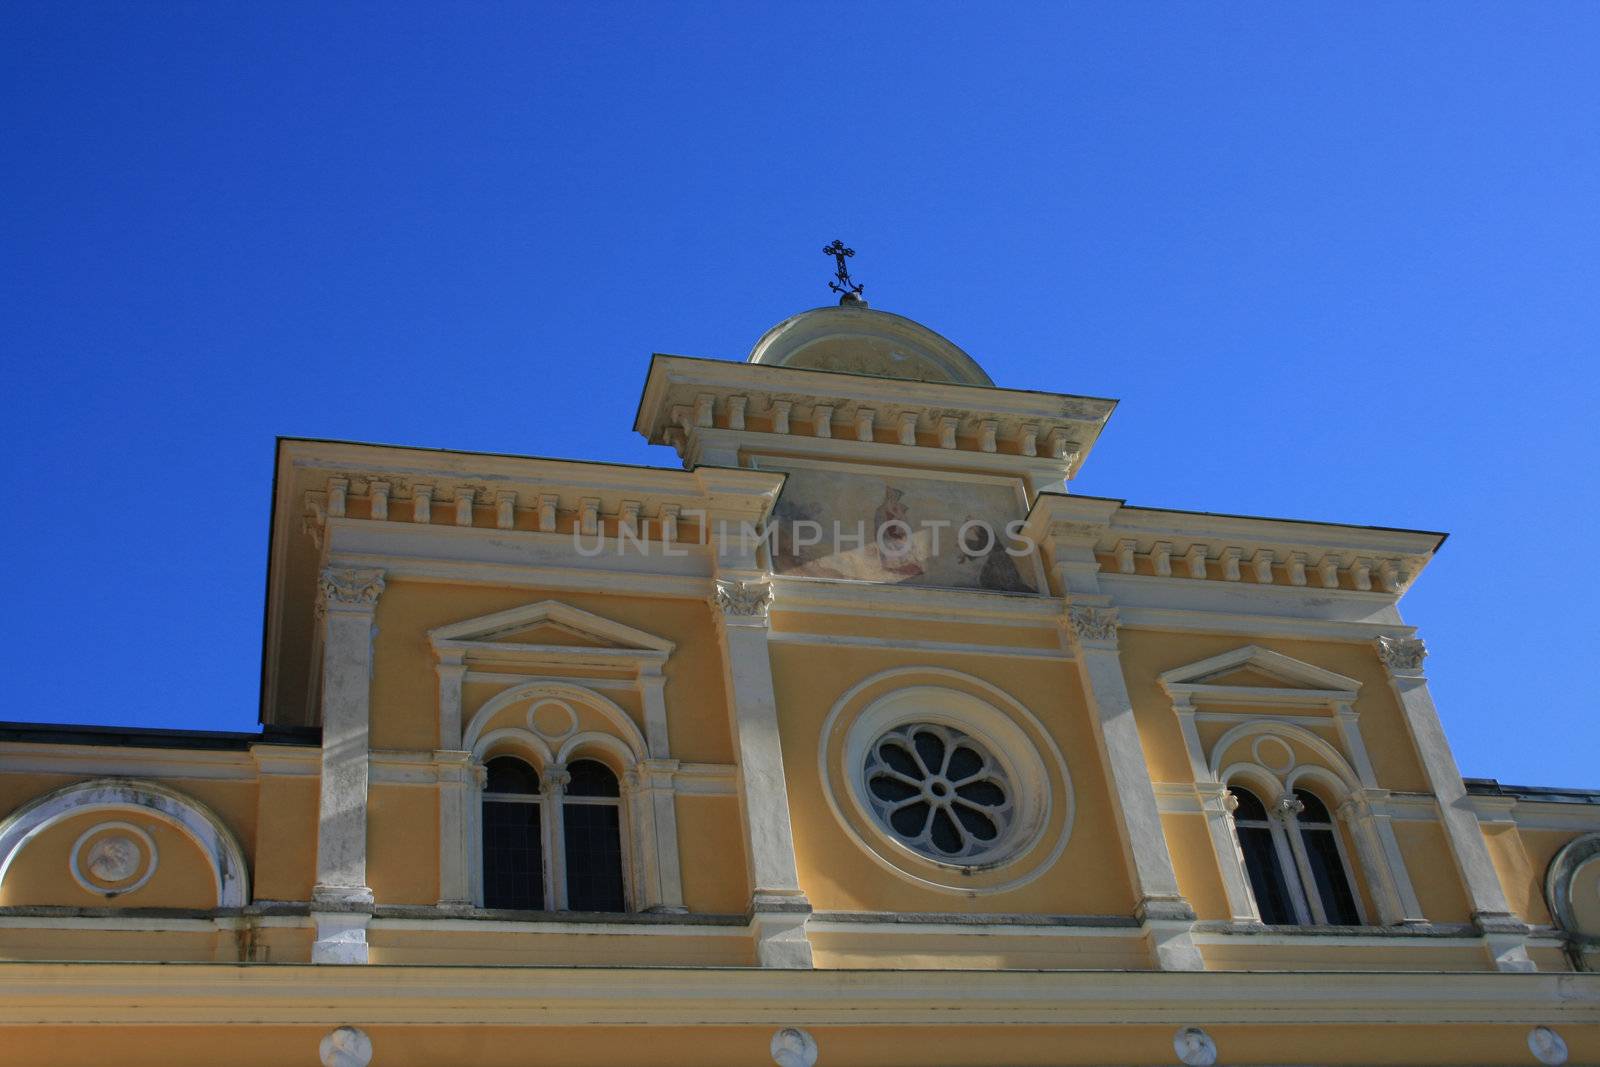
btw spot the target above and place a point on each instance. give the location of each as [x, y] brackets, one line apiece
[549, 624]
[552, 634]
[1251, 676]
[1254, 667]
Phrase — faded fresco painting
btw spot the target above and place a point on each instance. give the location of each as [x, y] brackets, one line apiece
[892, 528]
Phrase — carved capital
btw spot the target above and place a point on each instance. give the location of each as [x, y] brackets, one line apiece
[1230, 803]
[1288, 805]
[739, 599]
[349, 587]
[555, 782]
[1402, 653]
[1092, 624]
[1354, 808]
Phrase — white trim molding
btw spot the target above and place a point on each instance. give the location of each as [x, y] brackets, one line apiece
[1571, 886]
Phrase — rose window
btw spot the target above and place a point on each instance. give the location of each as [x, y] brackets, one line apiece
[939, 792]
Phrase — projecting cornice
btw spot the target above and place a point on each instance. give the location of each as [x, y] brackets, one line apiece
[510, 509]
[1198, 546]
[332, 479]
[696, 405]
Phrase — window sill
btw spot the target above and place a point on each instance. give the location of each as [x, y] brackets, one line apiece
[573, 918]
[1432, 930]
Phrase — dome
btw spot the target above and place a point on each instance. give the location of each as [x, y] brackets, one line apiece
[854, 339]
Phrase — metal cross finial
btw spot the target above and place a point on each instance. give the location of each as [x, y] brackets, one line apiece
[843, 284]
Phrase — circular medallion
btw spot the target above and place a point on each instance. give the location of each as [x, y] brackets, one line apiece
[793, 1047]
[1273, 753]
[1195, 1047]
[551, 718]
[113, 858]
[1547, 1046]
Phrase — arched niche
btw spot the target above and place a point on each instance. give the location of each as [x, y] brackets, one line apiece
[122, 800]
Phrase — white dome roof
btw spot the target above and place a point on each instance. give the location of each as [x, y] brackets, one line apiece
[854, 339]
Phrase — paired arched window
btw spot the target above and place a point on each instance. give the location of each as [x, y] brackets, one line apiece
[555, 844]
[1294, 860]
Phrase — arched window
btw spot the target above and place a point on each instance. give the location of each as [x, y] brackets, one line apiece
[1318, 844]
[592, 814]
[513, 836]
[1294, 860]
[555, 848]
[1258, 843]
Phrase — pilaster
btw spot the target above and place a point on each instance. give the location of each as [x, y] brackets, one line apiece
[1218, 805]
[740, 595]
[1366, 814]
[1067, 529]
[456, 797]
[1092, 630]
[652, 801]
[778, 906]
[1504, 934]
[341, 901]
[452, 671]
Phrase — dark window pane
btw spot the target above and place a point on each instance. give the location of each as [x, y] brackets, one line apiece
[1338, 900]
[910, 820]
[591, 778]
[964, 763]
[946, 838]
[1266, 875]
[986, 793]
[1250, 806]
[507, 774]
[892, 753]
[931, 749]
[594, 857]
[1315, 809]
[891, 789]
[513, 856]
[978, 824]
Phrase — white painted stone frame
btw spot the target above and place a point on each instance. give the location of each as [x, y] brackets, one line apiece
[651, 876]
[1283, 809]
[642, 759]
[1359, 801]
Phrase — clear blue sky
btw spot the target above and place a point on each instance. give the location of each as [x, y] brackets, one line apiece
[1338, 261]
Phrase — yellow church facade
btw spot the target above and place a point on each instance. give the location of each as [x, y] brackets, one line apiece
[856, 738]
